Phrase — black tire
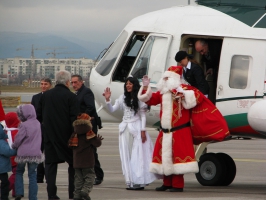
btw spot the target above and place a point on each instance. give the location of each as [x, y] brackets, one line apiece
[211, 170]
[230, 173]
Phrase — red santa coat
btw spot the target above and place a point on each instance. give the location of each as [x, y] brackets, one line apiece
[173, 151]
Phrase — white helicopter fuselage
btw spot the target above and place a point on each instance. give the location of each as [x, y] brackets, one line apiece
[148, 45]
[171, 30]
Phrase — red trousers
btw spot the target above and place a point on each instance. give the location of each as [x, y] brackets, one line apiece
[176, 181]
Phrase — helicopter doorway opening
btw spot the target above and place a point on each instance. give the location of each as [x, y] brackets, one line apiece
[144, 54]
[212, 60]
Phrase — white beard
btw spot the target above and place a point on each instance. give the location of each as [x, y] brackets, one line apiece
[164, 86]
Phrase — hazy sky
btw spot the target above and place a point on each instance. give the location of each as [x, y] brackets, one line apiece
[92, 20]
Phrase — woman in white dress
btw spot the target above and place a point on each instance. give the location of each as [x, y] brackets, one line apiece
[135, 145]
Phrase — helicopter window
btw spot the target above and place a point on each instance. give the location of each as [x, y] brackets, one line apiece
[239, 72]
[151, 60]
[105, 65]
[128, 58]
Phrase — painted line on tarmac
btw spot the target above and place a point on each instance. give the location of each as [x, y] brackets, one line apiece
[250, 160]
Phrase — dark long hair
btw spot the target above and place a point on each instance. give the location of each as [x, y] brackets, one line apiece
[131, 98]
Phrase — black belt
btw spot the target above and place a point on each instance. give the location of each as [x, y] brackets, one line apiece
[175, 128]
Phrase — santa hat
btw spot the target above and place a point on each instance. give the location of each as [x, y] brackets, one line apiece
[174, 72]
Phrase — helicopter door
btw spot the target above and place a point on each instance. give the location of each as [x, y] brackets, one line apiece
[152, 58]
[152, 61]
[241, 74]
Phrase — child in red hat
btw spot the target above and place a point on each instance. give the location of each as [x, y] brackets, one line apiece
[12, 123]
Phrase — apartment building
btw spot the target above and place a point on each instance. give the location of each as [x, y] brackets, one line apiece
[36, 68]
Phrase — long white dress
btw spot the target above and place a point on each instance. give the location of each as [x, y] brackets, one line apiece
[135, 155]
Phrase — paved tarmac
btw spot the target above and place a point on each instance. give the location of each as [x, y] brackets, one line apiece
[249, 183]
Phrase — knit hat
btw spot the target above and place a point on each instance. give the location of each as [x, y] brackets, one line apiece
[84, 116]
[174, 72]
[180, 55]
[12, 120]
[84, 119]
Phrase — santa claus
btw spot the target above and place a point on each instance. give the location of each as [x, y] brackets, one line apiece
[173, 154]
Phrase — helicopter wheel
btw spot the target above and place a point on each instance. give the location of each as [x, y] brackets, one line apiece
[211, 170]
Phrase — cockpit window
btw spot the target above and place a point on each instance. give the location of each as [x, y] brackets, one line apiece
[105, 65]
[141, 66]
[129, 56]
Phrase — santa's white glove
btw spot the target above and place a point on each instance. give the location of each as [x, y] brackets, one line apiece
[145, 80]
[180, 89]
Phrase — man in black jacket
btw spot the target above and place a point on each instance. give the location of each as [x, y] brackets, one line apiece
[57, 110]
[192, 72]
[211, 52]
[87, 105]
[46, 84]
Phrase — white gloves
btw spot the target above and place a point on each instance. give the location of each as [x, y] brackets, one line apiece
[180, 89]
[145, 80]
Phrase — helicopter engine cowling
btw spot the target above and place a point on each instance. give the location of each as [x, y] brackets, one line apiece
[257, 116]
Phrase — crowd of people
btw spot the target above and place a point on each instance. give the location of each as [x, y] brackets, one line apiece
[61, 126]
[39, 135]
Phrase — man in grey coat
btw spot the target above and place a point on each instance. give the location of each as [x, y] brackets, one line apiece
[57, 110]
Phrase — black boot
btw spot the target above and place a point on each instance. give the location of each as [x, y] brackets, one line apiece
[135, 188]
[18, 197]
[85, 196]
[53, 197]
[163, 188]
[176, 189]
[97, 181]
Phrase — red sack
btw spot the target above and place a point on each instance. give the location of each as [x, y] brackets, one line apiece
[207, 123]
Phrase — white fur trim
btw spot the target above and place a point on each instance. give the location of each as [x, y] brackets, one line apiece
[166, 122]
[190, 99]
[167, 155]
[156, 168]
[171, 74]
[167, 110]
[144, 97]
[183, 168]
[167, 167]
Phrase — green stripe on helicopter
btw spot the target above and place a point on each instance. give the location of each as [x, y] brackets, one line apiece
[250, 12]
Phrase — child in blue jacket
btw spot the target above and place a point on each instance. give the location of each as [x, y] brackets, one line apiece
[5, 164]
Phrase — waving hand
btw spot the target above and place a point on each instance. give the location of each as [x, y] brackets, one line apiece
[107, 94]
